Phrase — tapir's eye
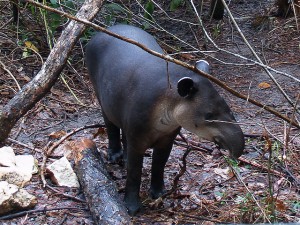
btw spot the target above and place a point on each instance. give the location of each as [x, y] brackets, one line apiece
[209, 116]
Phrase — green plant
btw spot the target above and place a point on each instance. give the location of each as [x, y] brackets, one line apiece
[247, 208]
[216, 30]
[175, 4]
[115, 11]
[149, 7]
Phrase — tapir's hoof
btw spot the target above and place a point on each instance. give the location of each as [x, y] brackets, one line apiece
[133, 208]
[156, 193]
[115, 156]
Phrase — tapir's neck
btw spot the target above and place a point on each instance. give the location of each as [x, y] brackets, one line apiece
[164, 117]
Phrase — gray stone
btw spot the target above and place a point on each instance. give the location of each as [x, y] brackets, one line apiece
[62, 174]
[13, 198]
[7, 157]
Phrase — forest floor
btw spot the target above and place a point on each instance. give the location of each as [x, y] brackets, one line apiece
[212, 190]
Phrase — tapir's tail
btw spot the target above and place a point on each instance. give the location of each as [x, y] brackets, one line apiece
[203, 66]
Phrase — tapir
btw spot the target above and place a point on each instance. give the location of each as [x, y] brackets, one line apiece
[148, 100]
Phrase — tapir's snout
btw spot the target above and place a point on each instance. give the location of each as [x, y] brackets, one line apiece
[232, 140]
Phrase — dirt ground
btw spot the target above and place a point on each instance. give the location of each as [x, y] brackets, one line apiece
[212, 190]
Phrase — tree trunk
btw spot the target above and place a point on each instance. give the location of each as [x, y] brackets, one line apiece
[285, 8]
[216, 9]
[38, 87]
[99, 190]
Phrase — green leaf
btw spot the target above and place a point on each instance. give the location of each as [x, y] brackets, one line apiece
[114, 7]
[54, 3]
[149, 7]
[175, 4]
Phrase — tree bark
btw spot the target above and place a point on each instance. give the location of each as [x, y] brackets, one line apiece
[216, 9]
[39, 86]
[99, 189]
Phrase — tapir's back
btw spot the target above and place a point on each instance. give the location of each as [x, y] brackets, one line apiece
[109, 58]
[104, 50]
[120, 71]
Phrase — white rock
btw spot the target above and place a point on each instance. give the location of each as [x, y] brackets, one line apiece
[15, 175]
[62, 174]
[27, 163]
[13, 198]
[7, 157]
[14, 169]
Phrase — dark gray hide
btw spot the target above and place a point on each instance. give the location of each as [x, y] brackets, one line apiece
[135, 96]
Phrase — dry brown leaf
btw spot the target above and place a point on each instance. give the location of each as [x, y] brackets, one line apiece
[57, 134]
[100, 132]
[31, 46]
[264, 85]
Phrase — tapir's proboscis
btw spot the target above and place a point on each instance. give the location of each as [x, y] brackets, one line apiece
[149, 100]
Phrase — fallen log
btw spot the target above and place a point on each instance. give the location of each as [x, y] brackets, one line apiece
[99, 189]
[39, 86]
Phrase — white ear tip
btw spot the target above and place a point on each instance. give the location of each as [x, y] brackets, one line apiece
[183, 78]
[202, 65]
[202, 61]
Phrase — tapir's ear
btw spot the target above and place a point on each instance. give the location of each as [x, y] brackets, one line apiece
[203, 66]
[185, 87]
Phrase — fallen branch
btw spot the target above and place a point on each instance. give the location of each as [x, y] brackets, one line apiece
[12, 76]
[197, 217]
[24, 145]
[39, 86]
[99, 189]
[259, 166]
[182, 168]
[195, 146]
[14, 215]
[170, 59]
[65, 195]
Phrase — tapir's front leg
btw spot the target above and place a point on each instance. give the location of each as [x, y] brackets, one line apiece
[160, 157]
[133, 181]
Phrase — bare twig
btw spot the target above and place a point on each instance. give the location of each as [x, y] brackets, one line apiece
[287, 134]
[268, 147]
[14, 215]
[197, 217]
[65, 195]
[182, 168]
[24, 145]
[195, 146]
[12, 76]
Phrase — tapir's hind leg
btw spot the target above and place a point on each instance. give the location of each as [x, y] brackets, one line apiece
[115, 152]
[134, 166]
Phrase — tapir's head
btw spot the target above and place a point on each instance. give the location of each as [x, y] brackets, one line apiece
[202, 111]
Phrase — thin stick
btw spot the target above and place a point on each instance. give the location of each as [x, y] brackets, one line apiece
[11, 216]
[65, 195]
[197, 217]
[24, 145]
[182, 168]
[12, 76]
